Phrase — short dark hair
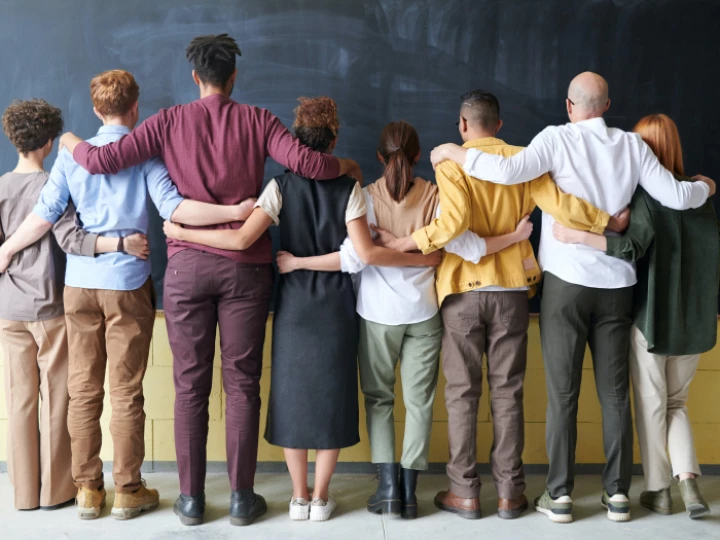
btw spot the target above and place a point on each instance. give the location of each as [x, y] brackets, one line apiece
[213, 58]
[31, 124]
[480, 108]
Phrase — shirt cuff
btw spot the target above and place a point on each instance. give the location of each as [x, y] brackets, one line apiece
[169, 207]
[614, 246]
[600, 223]
[87, 248]
[80, 154]
[423, 241]
[471, 157]
[46, 213]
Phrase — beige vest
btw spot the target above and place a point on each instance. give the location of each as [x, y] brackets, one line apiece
[415, 211]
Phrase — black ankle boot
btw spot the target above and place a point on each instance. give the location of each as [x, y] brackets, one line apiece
[190, 509]
[408, 484]
[245, 507]
[387, 499]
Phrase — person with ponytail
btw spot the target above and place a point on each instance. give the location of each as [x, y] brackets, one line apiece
[675, 319]
[313, 400]
[399, 317]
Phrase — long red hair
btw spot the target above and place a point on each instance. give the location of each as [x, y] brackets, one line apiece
[661, 135]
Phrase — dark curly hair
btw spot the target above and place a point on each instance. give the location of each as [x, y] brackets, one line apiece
[316, 122]
[213, 58]
[31, 124]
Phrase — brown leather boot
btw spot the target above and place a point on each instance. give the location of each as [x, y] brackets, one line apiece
[512, 508]
[465, 508]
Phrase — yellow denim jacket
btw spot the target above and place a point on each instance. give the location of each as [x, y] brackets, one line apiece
[489, 209]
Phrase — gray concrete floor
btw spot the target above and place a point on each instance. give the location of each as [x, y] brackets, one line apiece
[352, 520]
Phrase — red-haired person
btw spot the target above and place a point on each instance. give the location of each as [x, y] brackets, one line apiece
[110, 300]
[313, 393]
[675, 319]
[32, 320]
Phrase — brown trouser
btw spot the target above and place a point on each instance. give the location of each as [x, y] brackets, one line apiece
[109, 329]
[36, 365]
[496, 324]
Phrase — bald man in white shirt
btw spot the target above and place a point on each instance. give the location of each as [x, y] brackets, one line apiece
[587, 295]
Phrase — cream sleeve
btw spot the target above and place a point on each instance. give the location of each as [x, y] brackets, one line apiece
[356, 206]
[270, 201]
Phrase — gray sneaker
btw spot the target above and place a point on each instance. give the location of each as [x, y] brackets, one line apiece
[557, 510]
[659, 502]
[618, 506]
[694, 502]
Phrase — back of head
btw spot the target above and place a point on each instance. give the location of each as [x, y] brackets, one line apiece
[213, 58]
[481, 111]
[588, 94]
[114, 92]
[661, 135]
[399, 148]
[316, 123]
[30, 125]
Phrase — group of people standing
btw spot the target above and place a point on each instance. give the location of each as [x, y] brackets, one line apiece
[202, 165]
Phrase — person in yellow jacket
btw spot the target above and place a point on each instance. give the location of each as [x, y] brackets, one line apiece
[484, 306]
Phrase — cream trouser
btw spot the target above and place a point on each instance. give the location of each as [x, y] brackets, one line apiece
[660, 385]
[36, 375]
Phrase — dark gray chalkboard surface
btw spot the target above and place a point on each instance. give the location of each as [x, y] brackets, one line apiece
[381, 60]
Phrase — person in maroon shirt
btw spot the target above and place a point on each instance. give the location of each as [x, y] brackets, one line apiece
[215, 151]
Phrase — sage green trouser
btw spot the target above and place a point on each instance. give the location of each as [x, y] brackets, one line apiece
[417, 346]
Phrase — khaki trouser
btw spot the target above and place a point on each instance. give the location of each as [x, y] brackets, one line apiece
[109, 329]
[36, 364]
[660, 385]
[494, 324]
[417, 346]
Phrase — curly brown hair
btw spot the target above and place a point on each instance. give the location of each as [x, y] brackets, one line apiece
[114, 92]
[316, 122]
[31, 124]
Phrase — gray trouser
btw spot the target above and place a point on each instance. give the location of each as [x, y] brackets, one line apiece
[572, 316]
[417, 346]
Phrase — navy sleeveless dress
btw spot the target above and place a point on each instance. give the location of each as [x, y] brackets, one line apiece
[313, 394]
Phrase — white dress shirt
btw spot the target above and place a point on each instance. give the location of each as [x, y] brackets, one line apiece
[392, 295]
[601, 165]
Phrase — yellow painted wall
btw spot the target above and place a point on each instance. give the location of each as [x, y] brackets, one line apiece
[704, 406]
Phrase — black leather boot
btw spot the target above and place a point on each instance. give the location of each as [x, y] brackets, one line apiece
[190, 509]
[408, 484]
[387, 499]
[245, 507]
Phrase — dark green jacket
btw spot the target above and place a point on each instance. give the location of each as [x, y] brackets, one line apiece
[678, 269]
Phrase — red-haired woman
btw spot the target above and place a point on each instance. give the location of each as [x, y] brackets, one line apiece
[678, 254]
[313, 394]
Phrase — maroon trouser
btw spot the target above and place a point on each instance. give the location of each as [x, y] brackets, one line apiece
[204, 291]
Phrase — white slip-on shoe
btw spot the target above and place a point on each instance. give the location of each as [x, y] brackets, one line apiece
[299, 509]
[322, 510]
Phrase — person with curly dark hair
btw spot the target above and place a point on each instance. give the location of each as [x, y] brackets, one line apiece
[313, 393]
[215, 150]
[32, 321]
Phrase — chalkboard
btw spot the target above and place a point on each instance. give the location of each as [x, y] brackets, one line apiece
[381, 60]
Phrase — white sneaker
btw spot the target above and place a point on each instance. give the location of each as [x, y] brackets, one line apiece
[322, 510]
[299, 509]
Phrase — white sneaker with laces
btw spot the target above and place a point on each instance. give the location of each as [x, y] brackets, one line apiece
[322, 510]
[299, 509]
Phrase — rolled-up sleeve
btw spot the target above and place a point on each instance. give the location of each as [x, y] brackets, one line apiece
[163, 192]
[455, 216]
[55, 195]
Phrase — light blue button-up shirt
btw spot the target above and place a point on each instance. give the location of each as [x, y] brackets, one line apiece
[108, 205]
